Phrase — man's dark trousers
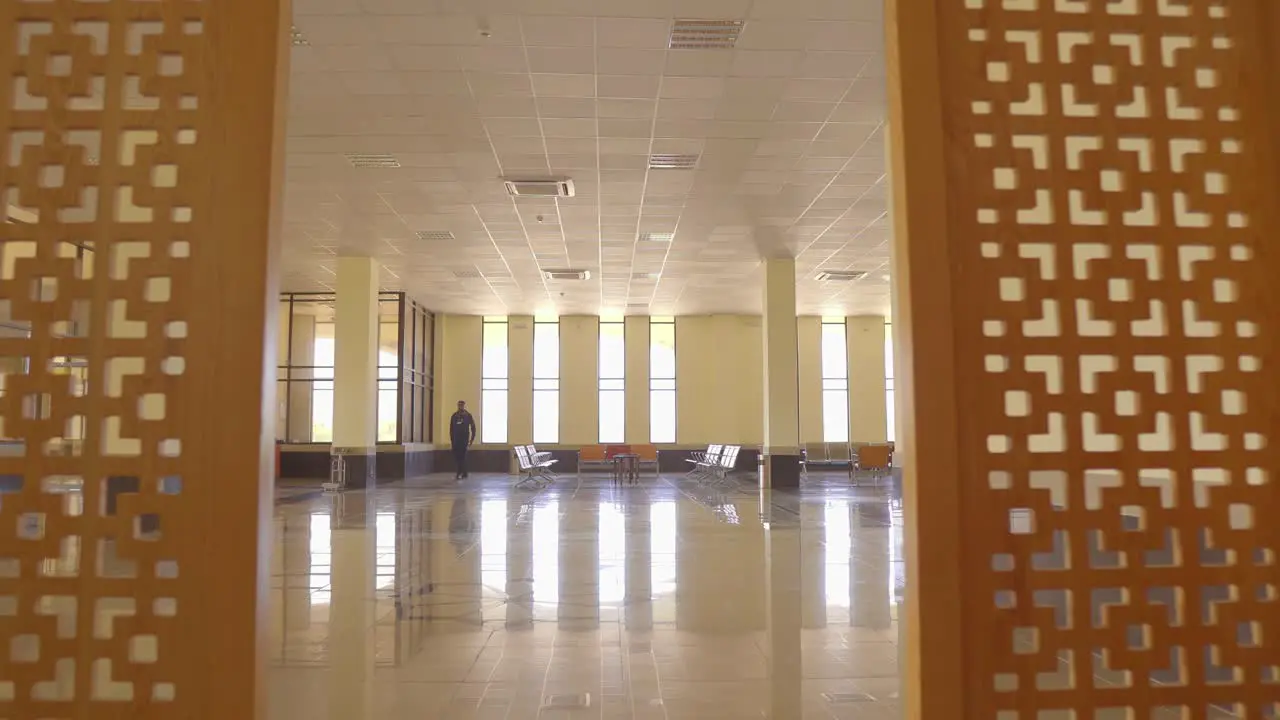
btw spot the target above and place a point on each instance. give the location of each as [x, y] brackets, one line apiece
[460, 456]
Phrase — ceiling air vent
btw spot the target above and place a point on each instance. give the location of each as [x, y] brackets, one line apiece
[364, 160]
[673, 162]
[657, 237]
[705, 34]
[434, 235]
[841, 275]
[567, 274]
[540, 188]
[467, 274]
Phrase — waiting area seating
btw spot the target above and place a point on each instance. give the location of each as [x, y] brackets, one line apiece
[601, 456]
[858, 459]
[714, 464]
[535, 467]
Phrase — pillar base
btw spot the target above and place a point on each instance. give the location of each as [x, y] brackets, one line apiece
[362, 467]
[780, 470]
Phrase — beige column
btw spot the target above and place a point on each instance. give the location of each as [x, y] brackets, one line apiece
[637, 392]
[519, 382]
[355, 369]
[809, 357]
[352, 620]
[785, 658]
[781, 376]
[868, 414]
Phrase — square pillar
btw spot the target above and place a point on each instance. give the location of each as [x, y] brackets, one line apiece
[868, 414]
[355, 369]
[781, 376]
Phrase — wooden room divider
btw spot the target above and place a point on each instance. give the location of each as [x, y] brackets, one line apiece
[1087, 309]
[140, 168]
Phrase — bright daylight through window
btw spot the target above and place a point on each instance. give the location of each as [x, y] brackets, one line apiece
[493, 381]
[613, 373]
[662, 380]
[546, 381]
[835, 382]
[890, 415]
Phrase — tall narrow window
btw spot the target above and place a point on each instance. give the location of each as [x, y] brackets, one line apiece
[613, 383]
[546, 381]
[323, 349]
[835, 381]
[890, 414]
[662, 380]
[493, 381]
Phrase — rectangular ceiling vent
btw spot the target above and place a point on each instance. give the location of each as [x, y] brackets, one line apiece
[672, 162]
[567, 274]
[467, 274]
[366, 160]
[841, 275]
[540, 188]
[434, 235]
[705, 34]
[657, 237]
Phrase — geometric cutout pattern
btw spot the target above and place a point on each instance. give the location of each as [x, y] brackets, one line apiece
[1113, 174]
[100, 114]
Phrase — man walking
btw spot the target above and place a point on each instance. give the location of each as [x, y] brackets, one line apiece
[462, 432]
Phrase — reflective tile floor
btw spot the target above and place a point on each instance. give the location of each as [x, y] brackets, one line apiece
[670, 600]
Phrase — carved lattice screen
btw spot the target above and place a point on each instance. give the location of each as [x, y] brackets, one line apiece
[1110, 182]
[134, 293]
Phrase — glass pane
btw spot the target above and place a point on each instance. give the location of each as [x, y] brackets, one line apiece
[612, 416]
[321, 415]
[544, 384]
[389, 343]
[613, 384]
[835, 416]
[546, 350]
[324, 349]
[493, 384]
[835, 384]
[493, 415]
[661, 384]
[546, 416]
[494, 351]
[662, 350]
[387, 412]
[888, 351]
[613, 357]
[662, 416]
[835, 363]
[890, 414]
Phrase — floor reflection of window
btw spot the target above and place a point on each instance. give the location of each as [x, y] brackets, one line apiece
[662, 559]
[493, 557]
[546, 553]
[385, 549]
[613, 554]
[839, 546]
[897, 566]
[320, 572]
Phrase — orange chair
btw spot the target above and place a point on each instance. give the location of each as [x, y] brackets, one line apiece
[592, 455]
[648, 455]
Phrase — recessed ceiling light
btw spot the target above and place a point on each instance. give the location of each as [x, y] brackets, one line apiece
[567, 274]
[704, 34]
[434, 235]
[667, 161]
[657, 237]
[841, 275]
[372, 160]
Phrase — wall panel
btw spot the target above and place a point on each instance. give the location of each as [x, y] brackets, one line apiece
[460, 370]
[579, 379]
[174, 181]
[520, 372]
[1086, 306]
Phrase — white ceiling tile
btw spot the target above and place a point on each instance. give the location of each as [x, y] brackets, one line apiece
[627, 86]
[632, 33]
[484, 84]
[492, 59]
[630, 61]
[828, 89]
[558, 31]
[566, 107]
[691, 88]
[561, 60]
[765, 63]
[699, 63]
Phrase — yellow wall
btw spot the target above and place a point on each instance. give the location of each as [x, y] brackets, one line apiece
[719, 377]
[458, 369]
[579, 379]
